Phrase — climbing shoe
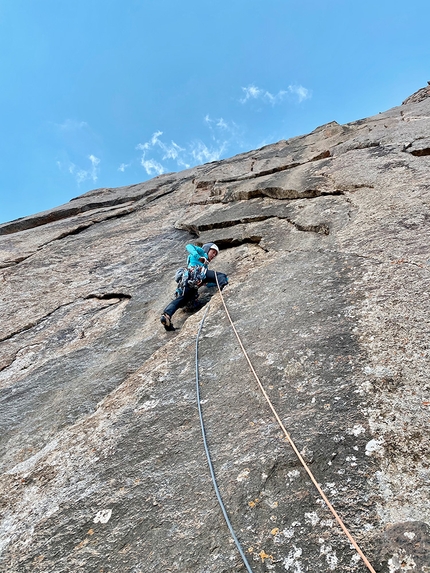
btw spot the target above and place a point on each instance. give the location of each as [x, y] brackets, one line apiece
[166, 322]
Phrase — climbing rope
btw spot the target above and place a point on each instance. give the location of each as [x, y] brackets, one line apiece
[211, 469]
[292, 444]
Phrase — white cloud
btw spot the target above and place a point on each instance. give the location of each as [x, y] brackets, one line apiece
[155, 137]
[80, 173]
[182, 163]
[203, 154]
[152, 167]
[171, 151]
[156, 154]
[72, 125]
[212, 122]
[253, 92]
[76, 139]
[85, 174]
[123, 167]
[66, 165]
[220, 123]
[148, 144]
[301, 92]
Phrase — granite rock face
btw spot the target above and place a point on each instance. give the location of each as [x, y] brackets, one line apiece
[325, 238]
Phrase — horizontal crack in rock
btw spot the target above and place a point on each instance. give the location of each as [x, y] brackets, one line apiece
[321, 228]
[231, 243]
[8, 264]
[86, 226]
[257, 174]
[99, 296]
[34, 323]
[72, 210]
[52, 217]
[278, 193]
[420, 152]
[109, 296]
[76, 231]
[196, 229]
[206, 184]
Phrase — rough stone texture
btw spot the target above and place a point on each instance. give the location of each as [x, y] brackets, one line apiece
[326, 239]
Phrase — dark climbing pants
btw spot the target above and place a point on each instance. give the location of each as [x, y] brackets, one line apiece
[210, 278]
[188, 295]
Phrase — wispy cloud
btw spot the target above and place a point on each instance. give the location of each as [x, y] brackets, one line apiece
[124, 166]
[80, 174]
[220, 125]
[152, 167]
[201, 153]
[66, 165]
[79, 150]
[153, 141]
[92, 173]
[72, 125]
[301, 92]
[160, 156]
[171, 151]
[184, 157]
[253, 92]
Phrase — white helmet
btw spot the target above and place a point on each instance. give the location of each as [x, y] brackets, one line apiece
[208, 246]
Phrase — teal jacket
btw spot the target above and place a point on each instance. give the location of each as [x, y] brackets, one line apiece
[195, 254]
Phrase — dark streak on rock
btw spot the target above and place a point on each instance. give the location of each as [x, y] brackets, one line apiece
[101, 296]
[321, 229]
[34, 323]
[323, 155]
[230, 243]
[71, 211]
[205, 184]
[264, 172]
[86, 226]
[75, 231]
[14, 262]
[9, 363]
[53, 216]
[421, 152]
[109, 296]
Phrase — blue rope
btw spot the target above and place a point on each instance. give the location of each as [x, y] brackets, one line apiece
[211, 469]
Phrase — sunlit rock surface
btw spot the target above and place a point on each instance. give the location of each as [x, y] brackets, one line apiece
[325, 238]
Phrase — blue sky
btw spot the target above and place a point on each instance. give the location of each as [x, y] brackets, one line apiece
[105, 93]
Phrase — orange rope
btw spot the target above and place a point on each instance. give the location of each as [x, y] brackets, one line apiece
[298, 454]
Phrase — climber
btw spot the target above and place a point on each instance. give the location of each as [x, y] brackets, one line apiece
[190, 279]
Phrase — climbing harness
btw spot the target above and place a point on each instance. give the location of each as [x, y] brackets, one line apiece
[196, 275]
[191, 277]
[211, 469]
[288, 437]
[179, 273]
